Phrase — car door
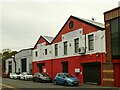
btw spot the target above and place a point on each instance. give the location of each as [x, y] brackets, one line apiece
[22, 76]
[37, 77]
[61, 78]
[34, 77]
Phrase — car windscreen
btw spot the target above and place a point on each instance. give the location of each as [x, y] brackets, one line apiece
[28, 74]
[68, 75]
[44, 74]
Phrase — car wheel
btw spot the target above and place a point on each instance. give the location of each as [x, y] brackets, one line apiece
[33, 80]
[65, 83]
[55, 82]
[77, 85]
[39, 80]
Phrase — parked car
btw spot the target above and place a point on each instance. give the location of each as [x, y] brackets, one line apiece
[65, 79]
[26, 76]
[14, 76]
[4, 75]
[41, 77]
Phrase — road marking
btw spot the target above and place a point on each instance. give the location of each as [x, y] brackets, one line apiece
[7, 86]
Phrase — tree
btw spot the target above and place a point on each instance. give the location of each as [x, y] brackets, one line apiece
[6, 53]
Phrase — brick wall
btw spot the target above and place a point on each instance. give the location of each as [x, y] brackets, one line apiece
[108, 74]
[108, 42]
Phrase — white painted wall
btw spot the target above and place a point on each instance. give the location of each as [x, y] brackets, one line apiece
[21, 55]
[41, 52]
[13, 65]
[99, 45]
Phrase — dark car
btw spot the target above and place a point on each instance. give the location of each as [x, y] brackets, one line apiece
[41, 77]
[66, 79]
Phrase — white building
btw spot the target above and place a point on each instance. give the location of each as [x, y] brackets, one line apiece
[24, 61]
[10, 65]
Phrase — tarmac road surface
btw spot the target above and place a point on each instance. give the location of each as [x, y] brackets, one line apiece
[12, 84]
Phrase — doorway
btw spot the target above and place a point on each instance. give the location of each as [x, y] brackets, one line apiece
[65, 67]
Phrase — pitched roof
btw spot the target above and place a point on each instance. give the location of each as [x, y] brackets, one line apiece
[25, 49]
[96, 24]
[100, 26]
[48, 38]
[93, 22]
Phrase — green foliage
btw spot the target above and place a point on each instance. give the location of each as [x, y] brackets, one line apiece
[5, 55]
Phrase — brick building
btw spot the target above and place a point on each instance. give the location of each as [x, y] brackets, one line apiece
[112, 66]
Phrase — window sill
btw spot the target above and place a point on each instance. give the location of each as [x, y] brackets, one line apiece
[90, 51]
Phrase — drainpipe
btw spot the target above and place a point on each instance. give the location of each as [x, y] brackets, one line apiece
[51, 63]
[85, 43]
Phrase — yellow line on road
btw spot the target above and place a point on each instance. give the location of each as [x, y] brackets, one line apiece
[7, 86]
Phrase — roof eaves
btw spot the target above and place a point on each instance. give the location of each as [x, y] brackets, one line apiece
[96, 24]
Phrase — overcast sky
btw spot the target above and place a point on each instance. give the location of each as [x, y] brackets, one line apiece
[23, 21]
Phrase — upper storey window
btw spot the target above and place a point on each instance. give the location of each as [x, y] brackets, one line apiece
[71, 24]
[76, 42]
[56, 49]
[115, 37]
[36, 54]
[45, 51]
[65, 48]
[91, 42]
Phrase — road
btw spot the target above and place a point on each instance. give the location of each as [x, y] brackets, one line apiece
[21, 84]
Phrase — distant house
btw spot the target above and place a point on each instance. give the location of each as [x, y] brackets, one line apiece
[78, 48]
[24, 61]
[10, 65]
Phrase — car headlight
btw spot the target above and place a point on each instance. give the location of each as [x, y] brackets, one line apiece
[44, 78]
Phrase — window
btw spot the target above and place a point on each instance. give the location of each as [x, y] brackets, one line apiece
[65, 48]
[91, 42]
[36, 54]
[115, 38]
[10, 62]
[56, 49]
[76, 42]
[45, 51]
[71, 24]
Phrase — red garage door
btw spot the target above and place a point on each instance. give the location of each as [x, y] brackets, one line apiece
[117, 74]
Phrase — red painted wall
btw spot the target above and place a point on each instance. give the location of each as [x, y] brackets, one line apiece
[41, 40]
[77, 24]
[116, 64]
[54, 66]
[47, 66]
